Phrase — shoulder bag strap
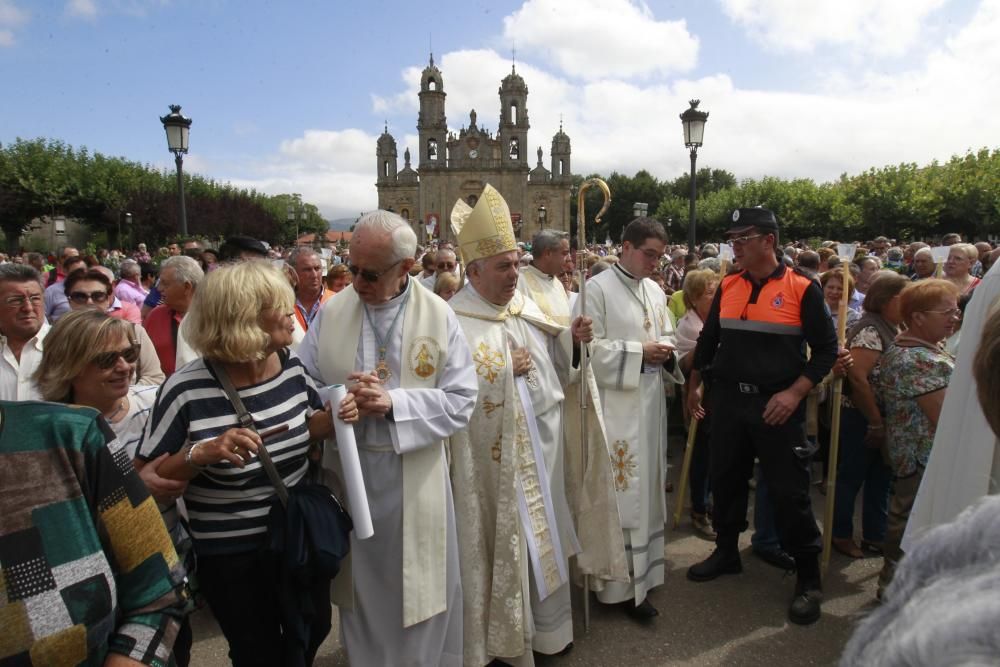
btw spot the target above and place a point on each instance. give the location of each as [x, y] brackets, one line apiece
[246, 421]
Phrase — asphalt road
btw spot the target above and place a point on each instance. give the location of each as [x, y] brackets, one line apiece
[735, 620]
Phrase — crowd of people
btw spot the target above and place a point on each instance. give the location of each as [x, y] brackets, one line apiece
[510, 434]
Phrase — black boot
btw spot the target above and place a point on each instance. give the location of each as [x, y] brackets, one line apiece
[643, 612]
[805, 607]
[722, 561]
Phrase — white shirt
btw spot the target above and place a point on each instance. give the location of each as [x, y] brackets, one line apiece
[15, 376]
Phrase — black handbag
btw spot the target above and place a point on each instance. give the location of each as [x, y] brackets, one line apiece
[308, 528]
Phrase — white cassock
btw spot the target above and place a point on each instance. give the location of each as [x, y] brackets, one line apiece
[375, 631]
[965, 461]
[635, 416]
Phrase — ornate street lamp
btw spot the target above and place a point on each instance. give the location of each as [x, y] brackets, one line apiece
[639, 209]
[178, 127]
[541, 217]
[694, 131]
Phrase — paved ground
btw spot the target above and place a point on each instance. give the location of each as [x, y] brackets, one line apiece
[735, 620]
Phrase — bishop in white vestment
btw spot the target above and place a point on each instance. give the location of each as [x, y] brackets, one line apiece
[400, 598]
[632, 356]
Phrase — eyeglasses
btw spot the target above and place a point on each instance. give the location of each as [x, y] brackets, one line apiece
[650, 253]
[20, 300]
[743, 239]
[107, 360]
[370, 276]
[450, 266]
[84, 297]
[951, 312]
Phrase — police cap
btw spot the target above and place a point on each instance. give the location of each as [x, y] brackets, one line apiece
[745, 219]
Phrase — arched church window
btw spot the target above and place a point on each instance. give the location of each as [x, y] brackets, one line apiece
[513, 114]
[432, 84]
[432, 149]
[385, 168]
[472, 200]
[562, 167]
[514, 149]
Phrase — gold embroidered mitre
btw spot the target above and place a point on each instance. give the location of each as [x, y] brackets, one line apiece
[485, 230]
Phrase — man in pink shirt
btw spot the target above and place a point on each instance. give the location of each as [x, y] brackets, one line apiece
[129, 289]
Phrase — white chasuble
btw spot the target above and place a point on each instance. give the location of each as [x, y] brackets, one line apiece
[506, 516]
[627, 312]
[590, 488]
[400, 598]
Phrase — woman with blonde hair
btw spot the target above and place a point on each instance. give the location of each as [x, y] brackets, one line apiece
[446, 285]
[958, 267]
[241, 323]
[338, 277]
[911, 381]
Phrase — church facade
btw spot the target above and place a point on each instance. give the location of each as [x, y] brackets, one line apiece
[454, 166]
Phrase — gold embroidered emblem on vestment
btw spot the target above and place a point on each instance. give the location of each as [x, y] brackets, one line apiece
[489, 362]
[623, 463]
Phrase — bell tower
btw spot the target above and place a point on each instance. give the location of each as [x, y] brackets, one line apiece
[385, 151]
[513, 134]
[560, 153]
[432, 126]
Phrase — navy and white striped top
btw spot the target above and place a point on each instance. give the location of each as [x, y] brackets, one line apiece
[228, 506]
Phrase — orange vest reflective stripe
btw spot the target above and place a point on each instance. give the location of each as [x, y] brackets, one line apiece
[777, 308]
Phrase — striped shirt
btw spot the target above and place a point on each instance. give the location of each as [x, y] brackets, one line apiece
[227, 505]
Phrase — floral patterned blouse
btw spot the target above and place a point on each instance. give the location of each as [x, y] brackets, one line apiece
[904, 375]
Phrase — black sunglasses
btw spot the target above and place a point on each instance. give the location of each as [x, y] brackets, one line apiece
[368, 275]
[84, 297]
[107, 360]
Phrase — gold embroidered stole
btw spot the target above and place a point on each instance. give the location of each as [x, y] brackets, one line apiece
[541, 289]
[423, 354]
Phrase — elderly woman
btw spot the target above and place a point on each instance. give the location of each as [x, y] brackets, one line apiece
[699, 289]
[90, 359]
[241, 324]
[912, 378]
[862, 427]
[90, 289]
[958, 267]
[338, 277]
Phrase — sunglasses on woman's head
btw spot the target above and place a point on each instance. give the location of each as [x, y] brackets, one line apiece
[107, 360]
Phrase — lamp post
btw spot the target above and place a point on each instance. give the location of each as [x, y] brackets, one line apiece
[639, 209]
[128, 230]
[178, 127]
[541, 217]
[694, 131]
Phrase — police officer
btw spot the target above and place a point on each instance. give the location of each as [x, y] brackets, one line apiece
[752, 352]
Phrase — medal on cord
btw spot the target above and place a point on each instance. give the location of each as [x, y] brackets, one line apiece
[647, 324]
[382, 371]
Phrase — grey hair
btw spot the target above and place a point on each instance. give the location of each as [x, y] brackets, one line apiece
[923, 251]
[300, 251]
[129, 267]
[942, 606]
[18, 273]
[188, 270]
[598, 267]
[710, 263]
[547, 239]
[709, 250]
[404, 239]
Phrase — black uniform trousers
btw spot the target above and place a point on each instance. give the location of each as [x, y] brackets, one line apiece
[738, 435]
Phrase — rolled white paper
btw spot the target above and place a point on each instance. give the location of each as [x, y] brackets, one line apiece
[347, 446]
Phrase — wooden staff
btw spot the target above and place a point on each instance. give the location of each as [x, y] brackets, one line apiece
[581, 273]
[692, 434]
[838, 390]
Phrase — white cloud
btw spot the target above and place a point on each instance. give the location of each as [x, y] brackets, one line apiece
[593, 39]
[11, 18]
[82, 8]
[881, 27]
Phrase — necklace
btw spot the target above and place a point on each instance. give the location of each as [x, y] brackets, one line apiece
[918, 342]
[646, 323]
[121, 406]
[382, 371]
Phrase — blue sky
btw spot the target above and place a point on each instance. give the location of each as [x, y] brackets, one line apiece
[290, 96]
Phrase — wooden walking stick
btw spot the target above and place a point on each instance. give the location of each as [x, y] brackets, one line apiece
[846, 252]
[725, 256]
[581, 275]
